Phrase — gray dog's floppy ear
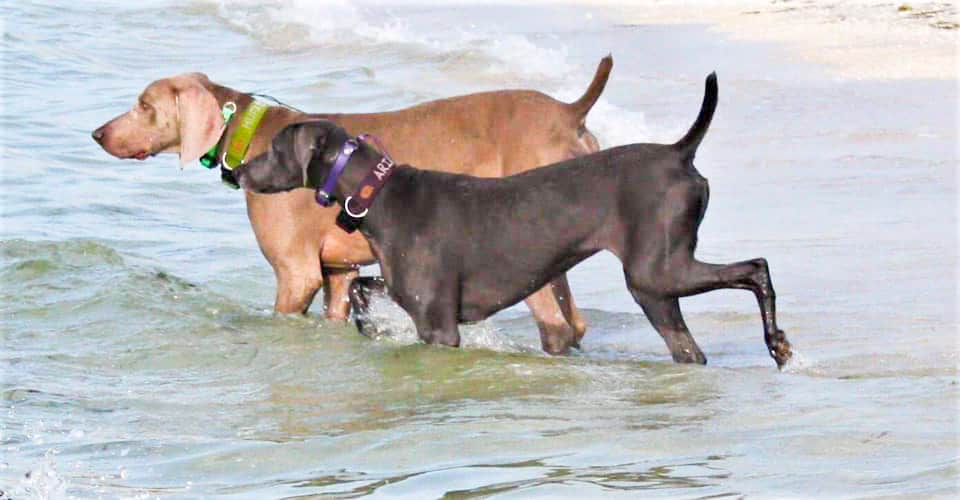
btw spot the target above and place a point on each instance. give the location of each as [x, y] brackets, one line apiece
[301, 144]
[285, 164]
[306, 141]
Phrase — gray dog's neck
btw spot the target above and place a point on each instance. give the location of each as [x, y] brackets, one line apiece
[362, 161]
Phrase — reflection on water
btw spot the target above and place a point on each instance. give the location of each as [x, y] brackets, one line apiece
[536, 476]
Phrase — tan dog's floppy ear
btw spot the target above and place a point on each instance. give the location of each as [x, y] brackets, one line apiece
[200, 122]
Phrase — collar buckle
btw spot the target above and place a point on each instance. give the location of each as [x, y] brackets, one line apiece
[355, 207]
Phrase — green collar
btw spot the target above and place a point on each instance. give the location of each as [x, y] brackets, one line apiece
[240, 142]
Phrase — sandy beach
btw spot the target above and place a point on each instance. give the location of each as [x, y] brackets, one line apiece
[857, 39]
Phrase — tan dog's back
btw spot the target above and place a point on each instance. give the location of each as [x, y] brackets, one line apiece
[488, 134]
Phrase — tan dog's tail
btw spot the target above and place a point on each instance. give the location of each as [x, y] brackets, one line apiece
[582, 106]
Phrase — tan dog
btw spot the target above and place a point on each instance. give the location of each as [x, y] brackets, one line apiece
[489, 134]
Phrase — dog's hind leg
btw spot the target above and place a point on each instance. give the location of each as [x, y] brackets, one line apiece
[360, 292]
[557, 336]
[697, 277]
[561, 289]
[664, 314]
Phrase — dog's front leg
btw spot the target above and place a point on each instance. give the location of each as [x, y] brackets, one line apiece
[435, 323]
[336, 292]
[435, 316]
[298, 280]
[360, 291]
[438, 328]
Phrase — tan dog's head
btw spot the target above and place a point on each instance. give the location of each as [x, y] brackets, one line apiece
[172, 115]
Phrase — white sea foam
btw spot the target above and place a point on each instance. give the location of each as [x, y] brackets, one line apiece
[359, 28]
[442, 59]
[42, 481]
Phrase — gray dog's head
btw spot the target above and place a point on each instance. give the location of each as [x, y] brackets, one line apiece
[300, 155]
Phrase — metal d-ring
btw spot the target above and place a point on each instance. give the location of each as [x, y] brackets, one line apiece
[223, 161]
[346, 206]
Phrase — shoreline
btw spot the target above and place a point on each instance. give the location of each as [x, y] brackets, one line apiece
[855, 39]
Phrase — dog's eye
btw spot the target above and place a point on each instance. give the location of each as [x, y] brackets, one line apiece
[145, 106]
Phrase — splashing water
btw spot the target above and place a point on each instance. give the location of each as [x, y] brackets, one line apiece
[394, 325]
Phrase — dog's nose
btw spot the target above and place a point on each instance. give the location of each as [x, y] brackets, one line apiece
[98, 135]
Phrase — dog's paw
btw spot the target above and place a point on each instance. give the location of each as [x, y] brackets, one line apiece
[780, 349]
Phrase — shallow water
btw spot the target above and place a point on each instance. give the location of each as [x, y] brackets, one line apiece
[140, 357]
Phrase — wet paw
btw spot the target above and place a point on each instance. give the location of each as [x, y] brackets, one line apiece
[688, 355]
[558, 341]
[558, 348]
[780, 349]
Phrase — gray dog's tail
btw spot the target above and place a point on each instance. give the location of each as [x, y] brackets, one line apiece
[687, 146]
[582, 106]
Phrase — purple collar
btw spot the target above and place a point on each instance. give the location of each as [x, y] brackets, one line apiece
[324, 195]
[352, 214]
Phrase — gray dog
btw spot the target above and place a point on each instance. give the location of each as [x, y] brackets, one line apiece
[455, 248]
